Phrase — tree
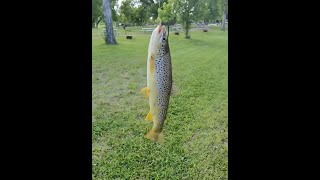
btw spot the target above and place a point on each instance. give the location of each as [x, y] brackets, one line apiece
[126, 11]
[166, 14]
[137, 12]
[110, 39]
[153, 9]
[140, 15]
[97, 12]
[225, 11]
[215, 9]
[145, 11]
[114, 13]
[205, 12]
[187, 11]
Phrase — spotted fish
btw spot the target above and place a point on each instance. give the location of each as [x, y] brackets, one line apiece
[159, 82]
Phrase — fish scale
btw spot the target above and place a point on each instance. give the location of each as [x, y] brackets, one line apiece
[164, 81]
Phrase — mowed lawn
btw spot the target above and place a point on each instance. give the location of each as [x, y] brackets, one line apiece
[196, 129]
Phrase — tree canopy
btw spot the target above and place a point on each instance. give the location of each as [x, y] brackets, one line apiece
[142, 12]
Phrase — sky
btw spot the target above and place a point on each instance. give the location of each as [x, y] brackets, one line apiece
[120, 1]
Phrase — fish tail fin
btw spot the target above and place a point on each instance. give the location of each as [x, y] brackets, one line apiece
[155, 136]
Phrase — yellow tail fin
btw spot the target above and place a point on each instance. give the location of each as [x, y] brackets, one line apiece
[155, 136]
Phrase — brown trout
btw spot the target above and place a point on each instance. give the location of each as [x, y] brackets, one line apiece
[159, 82]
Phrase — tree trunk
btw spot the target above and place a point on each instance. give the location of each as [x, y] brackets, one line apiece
[224, 16]
[223, 24]
[97, 24]
[187, 30]
[93, 22]
[110, 39]
[187, 33]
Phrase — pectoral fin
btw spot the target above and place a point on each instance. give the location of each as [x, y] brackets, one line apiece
[145, 91]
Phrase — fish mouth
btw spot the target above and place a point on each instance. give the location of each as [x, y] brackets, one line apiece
[160, 28]
[158, 37]
[161, 31]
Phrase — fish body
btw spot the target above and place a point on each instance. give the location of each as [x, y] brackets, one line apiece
[159, 82]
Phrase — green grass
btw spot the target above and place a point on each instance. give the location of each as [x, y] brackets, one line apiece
[196, 130]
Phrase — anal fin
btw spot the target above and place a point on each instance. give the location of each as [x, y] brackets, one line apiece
[149, 116]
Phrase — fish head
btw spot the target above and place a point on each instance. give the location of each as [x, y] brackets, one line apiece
[159, 38]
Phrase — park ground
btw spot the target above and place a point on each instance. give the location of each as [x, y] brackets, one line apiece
[196, 129]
